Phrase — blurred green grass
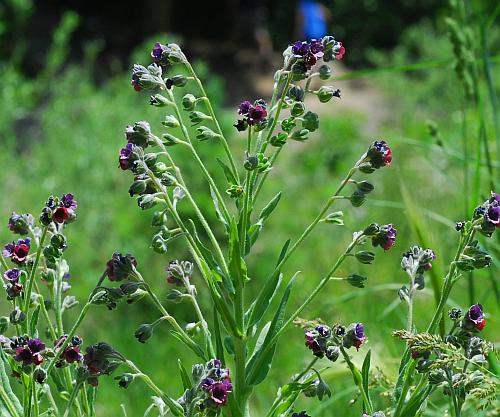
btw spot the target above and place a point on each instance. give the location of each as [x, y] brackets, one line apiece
[67, 140]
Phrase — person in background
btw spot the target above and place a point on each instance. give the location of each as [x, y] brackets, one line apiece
[312, 19]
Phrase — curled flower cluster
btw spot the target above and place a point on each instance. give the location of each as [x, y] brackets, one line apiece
[253, 114]
[177, 272]
[309, 51]
[214, 385]
[28, 351]
[20, 224]
[378, 155]
[120, 267]
[383, 236]
[325, 341]
[474, 318]
[489, 213]
[59, 210]
[100, 359]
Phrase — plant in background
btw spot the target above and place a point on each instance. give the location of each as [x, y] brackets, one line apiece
[234, 340]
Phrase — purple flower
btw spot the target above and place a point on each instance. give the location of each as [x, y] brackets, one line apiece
[12, 275]
[68, 201]
[17, 252]
[30, 353]
[244, 108]
[385, 237]
[379, 154]
[71, 353]
[157, 52]
[126, 160]
[355, 336]
[308, 51]
[254, 114]
[61, 214]
[475, 317]
[492, 215]
[316, 339]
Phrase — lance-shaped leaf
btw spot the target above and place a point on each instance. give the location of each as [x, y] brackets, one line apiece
[237, 266]
[255, 229]
[261, 360]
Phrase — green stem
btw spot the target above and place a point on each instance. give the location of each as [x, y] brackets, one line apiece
[31, 276]
[214, 118]
[367, 407]
[71, 399]
[8, 403]
[46, 315]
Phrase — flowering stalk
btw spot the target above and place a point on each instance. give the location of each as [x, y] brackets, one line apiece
[31, 276]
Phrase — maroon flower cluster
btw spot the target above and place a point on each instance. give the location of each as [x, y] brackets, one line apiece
[14, 287]
[489, 212]
[71, 352]
[309, 51]
[379, 154]
[216, 386]
[253, 114]
[385, 237]
[28, 351]
[474, 318]
[317, 339]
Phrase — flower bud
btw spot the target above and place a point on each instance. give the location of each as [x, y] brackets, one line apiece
[17, 316]
[366, 168]
[188, 102]
[137, 188]
[170, 121]
[59, 241]
[4, 324]
[297, 109]
[325, 93]
[371, 230]
[332, 352]
[81, 374]
[125, 380]
[365, 257]
[46, 216]
[356, 280]
[278, 140]
[299, 71]
[138, 134]
[20, 223]
[120, 266]
[129, 287]
[251, 163]
[159, 244]
[40, 375]
[170, 140]
[179, 80]
[143, 333]
[455, 314]
[147, 201]
[288, 124]
[311, 121]
[175, 295]
[197, 117]
[159, 100]
[325, 72]
[205, 133]
[197, 372]
[335, 218]
[159, 219]
[300, 135]
[235, 191]
[365, 187]
[357, 198]
[296, 92]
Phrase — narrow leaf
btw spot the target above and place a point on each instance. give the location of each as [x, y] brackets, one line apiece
[186, 379]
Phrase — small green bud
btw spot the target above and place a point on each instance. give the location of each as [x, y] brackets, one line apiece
[59, 241]
[251, 162]
[299, 71]
[325, 72]
[205, 133]
[235, 191]
[175, 295]
[143, 333]
[46, 216]
[125, 380]
[159, 244]
[365, 187]
[365, 257]
[170, 140]
[278, 140]
[366, 168]
[357, 198]
[335, 218]
[147, 201]
[197, 117]
[188, 102]
[129, 287]
[300, 135]
[137, 188]
[179, 80]
[288, 124]
[4, 324]
[371, 230]
[170, 121]
[356, 280]
[159, 168]
[298, 109]
[332, 352]
[296, 92]
[159, 101]
[40, 375]
[159, 219]
[326, 93]
[311, 121]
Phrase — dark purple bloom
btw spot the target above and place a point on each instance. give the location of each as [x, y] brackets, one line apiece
[126, 161]
[31, 352]
[241, 125]
[379, 154]
[316, 339]
[18, 252]
[385, 237]
[257, 115]
[475, 317]
[254, 114]
[71, 353]
[219, 392]
[12, 275]
[308, 51]
[120, 266]
[244, 108]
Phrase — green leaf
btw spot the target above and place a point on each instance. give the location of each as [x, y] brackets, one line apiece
[269, 208]
[34, 320]
[260, 362]
[237, 266]
[186, 379]
[267, 293]
[231, 179]
[223, 219]
[365, 374]
[219, 349]
[9, 403]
